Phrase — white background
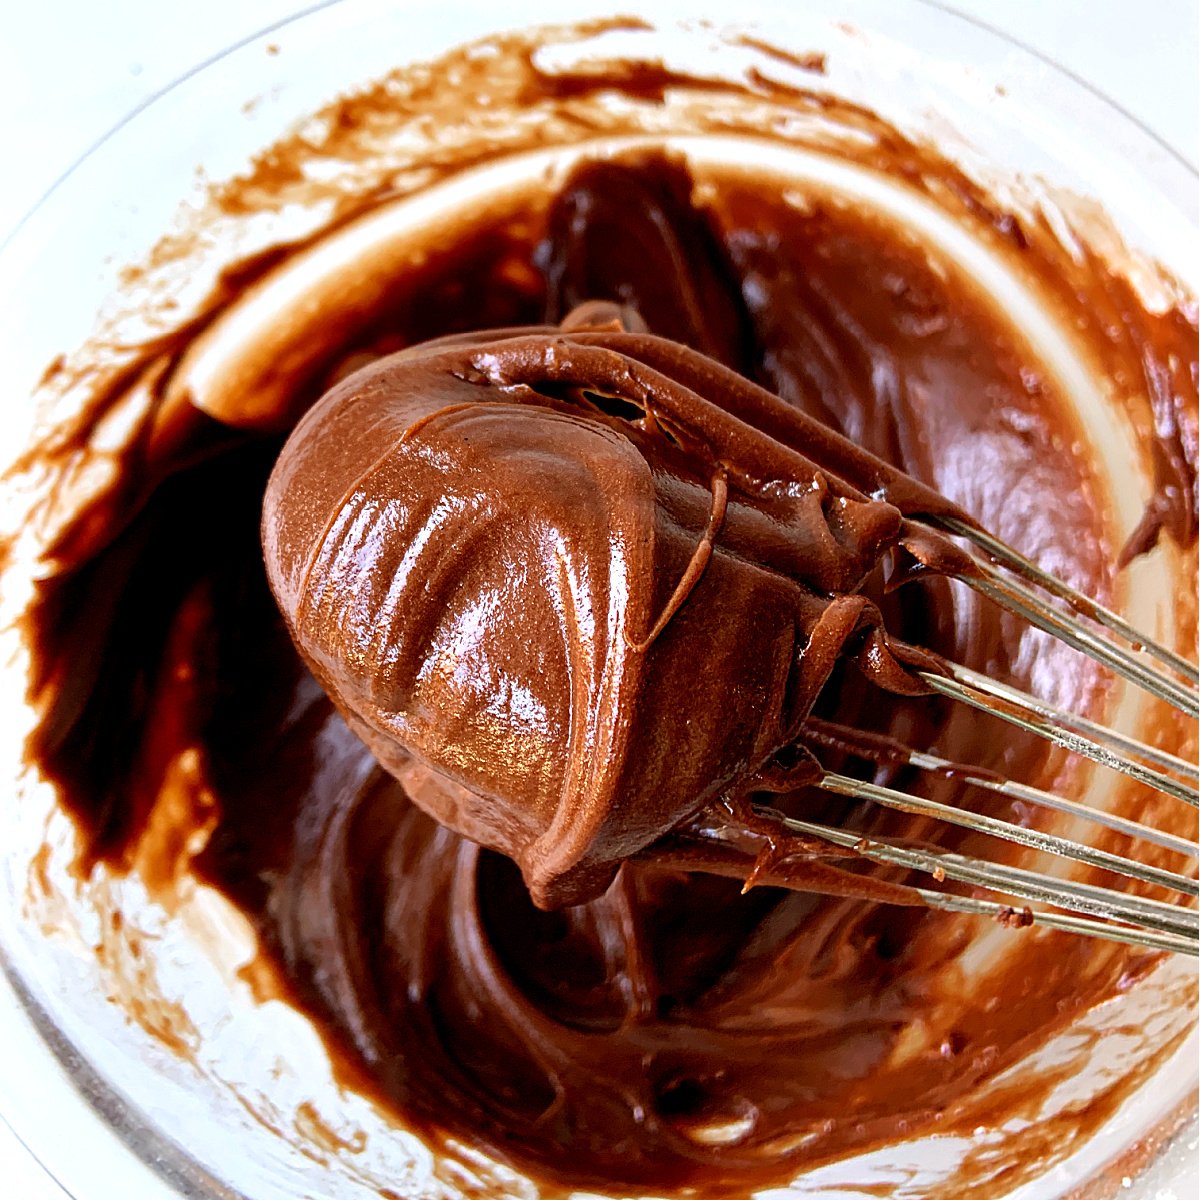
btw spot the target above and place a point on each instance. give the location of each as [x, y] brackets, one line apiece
[71, 69]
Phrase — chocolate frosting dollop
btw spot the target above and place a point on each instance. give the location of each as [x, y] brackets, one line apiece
[568, 589]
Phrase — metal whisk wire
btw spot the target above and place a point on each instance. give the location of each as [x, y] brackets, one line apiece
[1177, 934]
[1103, 912]
[999, 552]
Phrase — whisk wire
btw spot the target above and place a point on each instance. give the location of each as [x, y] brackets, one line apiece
[1112, 738]
[1022, 602]
[1148, 923]
[1000, 552]
[1176, 943]
[1018, 834]
[1019, 709]
[1052, 800]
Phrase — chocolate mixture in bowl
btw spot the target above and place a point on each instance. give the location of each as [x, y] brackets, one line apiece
[484, 578]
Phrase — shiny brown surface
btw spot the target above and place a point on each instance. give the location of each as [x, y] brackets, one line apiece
[672, 1032]
[504, 558]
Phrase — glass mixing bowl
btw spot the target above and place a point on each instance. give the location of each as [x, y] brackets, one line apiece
[176, 1082]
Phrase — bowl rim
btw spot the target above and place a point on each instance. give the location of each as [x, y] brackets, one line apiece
[940, 6]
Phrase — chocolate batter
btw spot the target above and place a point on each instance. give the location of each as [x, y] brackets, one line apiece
[672, 1031]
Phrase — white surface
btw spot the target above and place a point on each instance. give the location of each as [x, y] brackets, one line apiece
[71, 70]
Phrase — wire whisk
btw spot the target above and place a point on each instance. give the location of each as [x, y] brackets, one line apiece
[1025, 590]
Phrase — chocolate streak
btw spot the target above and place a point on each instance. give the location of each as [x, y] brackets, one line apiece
[671, 1032]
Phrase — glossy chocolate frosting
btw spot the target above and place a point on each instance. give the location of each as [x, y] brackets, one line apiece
[508, 556]
[508, 517]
